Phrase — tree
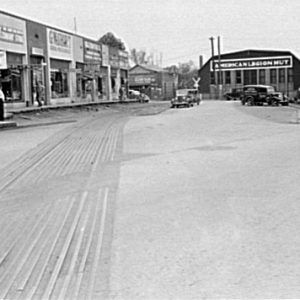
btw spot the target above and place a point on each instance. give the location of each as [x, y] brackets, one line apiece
[186, 72]
[138, 56]
[110, 40]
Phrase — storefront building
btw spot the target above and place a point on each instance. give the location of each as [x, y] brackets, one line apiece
[60, 60]
[155, 82]
[92, 80]
[79, 68]
[114, 72]
[280, 69]
[124, 67]
[43, 65]
[13, 60]
[37, 50]
[105, 73]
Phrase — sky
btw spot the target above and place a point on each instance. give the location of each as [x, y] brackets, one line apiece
[176, 30]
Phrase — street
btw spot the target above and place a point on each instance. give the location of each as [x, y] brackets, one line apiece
[189, 203]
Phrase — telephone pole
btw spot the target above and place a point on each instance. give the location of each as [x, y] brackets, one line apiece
[220, 79]
[213, 60]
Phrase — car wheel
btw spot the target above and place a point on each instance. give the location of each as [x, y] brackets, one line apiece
[250, 101]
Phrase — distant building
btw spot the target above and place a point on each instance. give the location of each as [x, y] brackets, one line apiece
[280, 69]
[155, 82]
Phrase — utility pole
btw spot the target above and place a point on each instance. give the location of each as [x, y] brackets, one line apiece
[220, 79]
[213, 59]
[75, 25]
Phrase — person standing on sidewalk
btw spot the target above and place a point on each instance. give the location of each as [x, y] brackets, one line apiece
[39, 92]
[2, 100]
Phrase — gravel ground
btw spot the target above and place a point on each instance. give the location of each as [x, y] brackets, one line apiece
[64, 115]
[278, 114]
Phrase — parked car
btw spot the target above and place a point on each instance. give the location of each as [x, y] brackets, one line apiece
[143, 98]
[262, 94]
[194, 95]
[181, 101]
[132, 94]
[233, 94]
[186, 98]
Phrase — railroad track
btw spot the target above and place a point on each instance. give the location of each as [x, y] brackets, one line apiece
[56, 214]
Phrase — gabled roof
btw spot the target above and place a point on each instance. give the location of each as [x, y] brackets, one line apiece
[149, 68]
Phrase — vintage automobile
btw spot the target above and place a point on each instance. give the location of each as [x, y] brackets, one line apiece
[143, 98]
[182, 99]
[233, 94]
[262, 94]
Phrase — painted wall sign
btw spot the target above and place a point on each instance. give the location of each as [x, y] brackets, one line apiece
[60, 44]
[105, 55]
[92, 51]
[123, 59]
[3, 61]
[141, 80]
[13, 34]
[37, 51]
[253, 63]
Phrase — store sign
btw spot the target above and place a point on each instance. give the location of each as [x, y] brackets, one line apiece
[114, 57]
[3, 64]
[60, 44]
[253, 63]
[105, 55]
[92, 51]
[123, 59]
[37, 51]
[142, 80]
[11, 34]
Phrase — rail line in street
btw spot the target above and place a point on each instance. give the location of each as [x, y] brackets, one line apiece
[54, 249]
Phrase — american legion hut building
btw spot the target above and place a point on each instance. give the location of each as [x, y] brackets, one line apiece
[280, 69]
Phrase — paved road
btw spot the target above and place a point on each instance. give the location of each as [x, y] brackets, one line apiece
[187, 204]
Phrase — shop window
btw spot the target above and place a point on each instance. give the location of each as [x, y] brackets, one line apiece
[262, 76]
[281, 75]
[11, 84]
[273, 76]
[238, 77]
[212, 78]
[113, 84]
[59, 84]
[227, 77]
[290, 75]
[250, 77]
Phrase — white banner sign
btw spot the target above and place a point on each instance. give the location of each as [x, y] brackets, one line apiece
[3, 64]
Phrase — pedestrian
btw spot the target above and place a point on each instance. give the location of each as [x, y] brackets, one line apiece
[2, 99]
[39, 91]
[2, 96]
[121, 91]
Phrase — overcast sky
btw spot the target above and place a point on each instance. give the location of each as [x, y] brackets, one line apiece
[179, 29]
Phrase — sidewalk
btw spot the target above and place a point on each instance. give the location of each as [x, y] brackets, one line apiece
[46, 114]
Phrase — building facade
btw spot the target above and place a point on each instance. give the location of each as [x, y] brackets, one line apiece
[155, 82]
[68, 67]
[280, 69]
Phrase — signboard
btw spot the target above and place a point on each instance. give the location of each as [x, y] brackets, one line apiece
[196, 82]
[105, 55]
[3, 64]
[123, 59]
[60, 44]
[114, 57]
[92, 52]
[142, 80]
[12, 34]
[37, 51]
[253, 63]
